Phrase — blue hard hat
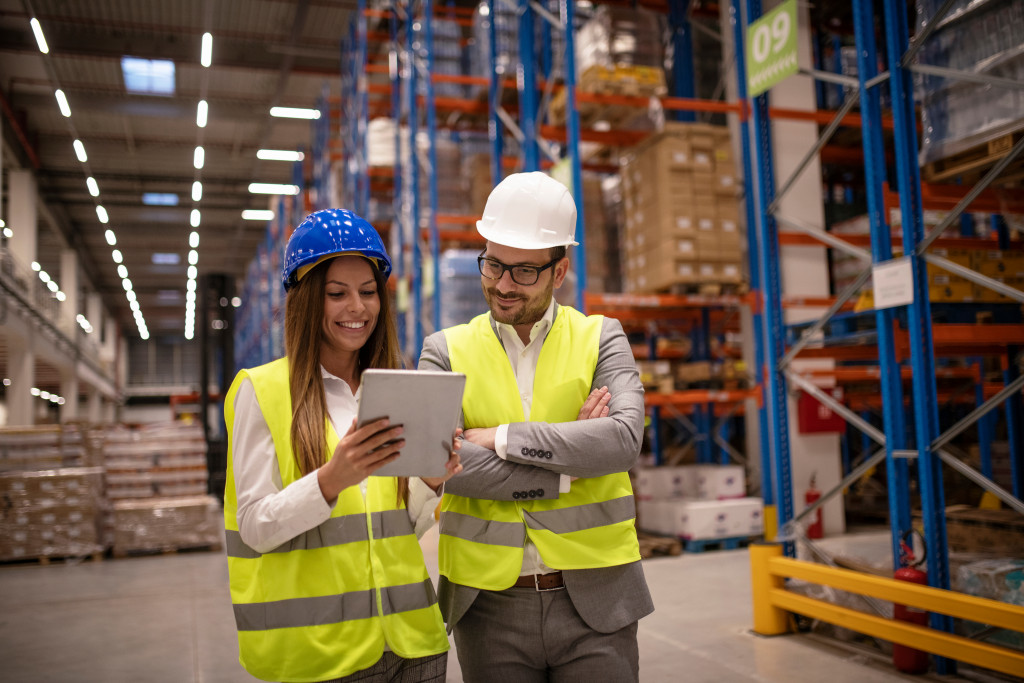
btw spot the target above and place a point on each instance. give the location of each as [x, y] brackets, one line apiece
[330, 232]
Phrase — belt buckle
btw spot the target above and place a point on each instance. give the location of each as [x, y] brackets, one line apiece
[536, 584]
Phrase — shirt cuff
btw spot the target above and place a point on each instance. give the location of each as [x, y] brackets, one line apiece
[564, 483]
[501, 441]
[315, 509]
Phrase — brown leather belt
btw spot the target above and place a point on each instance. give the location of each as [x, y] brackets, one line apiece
[542, 582]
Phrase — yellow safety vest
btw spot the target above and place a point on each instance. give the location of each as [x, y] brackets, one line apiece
[482, 541]
[324, 604]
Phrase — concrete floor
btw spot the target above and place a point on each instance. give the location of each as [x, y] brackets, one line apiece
[168, 618]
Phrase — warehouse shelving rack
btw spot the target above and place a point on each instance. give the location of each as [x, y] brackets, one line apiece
[923, 341]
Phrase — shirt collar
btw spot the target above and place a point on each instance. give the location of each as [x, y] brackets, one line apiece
[539, 329]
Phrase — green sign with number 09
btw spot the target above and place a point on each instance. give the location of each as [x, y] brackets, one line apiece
[771, 48]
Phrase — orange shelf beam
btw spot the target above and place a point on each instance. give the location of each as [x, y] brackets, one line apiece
[693, 397]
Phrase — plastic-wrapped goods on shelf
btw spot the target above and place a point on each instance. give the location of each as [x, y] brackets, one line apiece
[620, 50]
[682, 212]
[447, 59]
[156, 461]
[996, 579]
[506, 39]
[968, 126]
[461, 298]
[160, 524]
[51, 513]
[451, 189]
[47, 447]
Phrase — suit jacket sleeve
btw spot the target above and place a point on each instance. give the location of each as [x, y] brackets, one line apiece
[484, 474]
[592, 448]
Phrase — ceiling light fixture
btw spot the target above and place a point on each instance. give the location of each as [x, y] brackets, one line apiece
[192, 272]
[193, 257]
[258, 215]
[294, 113]
[122, 272]
[111, 239]
[80, 151]
[36, 267]
[201, 112]
[279, 155]
[44, 276]
[273, 188]
[116, 255]
[206, 54]
[194, 218]
[94, 189]
[37, 29]
[62, 102]
[197, 191]
[101, 213]
[193, 240]
[198, 158]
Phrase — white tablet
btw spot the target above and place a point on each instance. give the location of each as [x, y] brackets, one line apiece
[427, 403]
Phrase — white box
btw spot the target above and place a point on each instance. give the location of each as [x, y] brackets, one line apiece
[712, 519]
[655, 483]
[718, 482]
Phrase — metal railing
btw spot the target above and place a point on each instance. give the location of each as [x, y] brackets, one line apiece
[769, 570]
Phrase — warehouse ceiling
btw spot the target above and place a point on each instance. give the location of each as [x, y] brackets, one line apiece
[265, 53]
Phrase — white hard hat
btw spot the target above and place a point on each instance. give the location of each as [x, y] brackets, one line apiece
[529, 211]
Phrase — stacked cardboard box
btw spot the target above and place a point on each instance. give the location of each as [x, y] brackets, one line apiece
[681, 210]
[51, 513]
[696, 502]
[157, 461]
[973, 530]
[166, 524]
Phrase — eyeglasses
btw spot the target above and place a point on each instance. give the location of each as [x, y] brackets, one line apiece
[493, 269]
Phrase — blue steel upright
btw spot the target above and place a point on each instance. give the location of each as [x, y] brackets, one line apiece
[881, 251]
[567, 13]
[362, 119]
[397, 242]
[495, 128]
[527, 81]
[767, 489]
[922, 350]
[683, 80]
[773, 331]
[435, 238]
[416, 285]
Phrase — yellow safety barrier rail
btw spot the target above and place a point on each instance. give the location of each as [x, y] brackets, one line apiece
[769, 570]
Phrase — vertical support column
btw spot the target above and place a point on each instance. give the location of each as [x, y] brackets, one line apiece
[684, 83]
[69, 285]
[435, 238]
[69, 390]
[94, 409]
[985, 425]
[753, 262]
[108, 352]
[1013, 425]
[881, 250]
[919, 318]
[527, 80]
[495, 128]
[21, 364]
[415, 343]
[567, 13]
[362, 116]
[22, 216]
[773, 333]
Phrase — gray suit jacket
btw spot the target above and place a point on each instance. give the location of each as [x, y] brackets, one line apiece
[607, 599]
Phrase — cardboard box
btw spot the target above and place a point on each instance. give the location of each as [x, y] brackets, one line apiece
[969, 529]
[987, 295]
[949, 288]
[995, 263]
[709, 520]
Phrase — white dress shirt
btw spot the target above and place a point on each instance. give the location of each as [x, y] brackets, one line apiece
[269, 513]
[523, 358]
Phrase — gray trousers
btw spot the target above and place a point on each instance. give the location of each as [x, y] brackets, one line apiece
[521, 635]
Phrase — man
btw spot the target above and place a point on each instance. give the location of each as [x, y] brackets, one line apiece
[540, 567]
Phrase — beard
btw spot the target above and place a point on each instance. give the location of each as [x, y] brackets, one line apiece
[531, 310]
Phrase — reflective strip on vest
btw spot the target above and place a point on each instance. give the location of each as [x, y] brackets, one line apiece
[335, 531]
[581, 517]
[469, 528]
[333, 609]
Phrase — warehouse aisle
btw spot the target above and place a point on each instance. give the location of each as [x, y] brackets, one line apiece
[168, 619]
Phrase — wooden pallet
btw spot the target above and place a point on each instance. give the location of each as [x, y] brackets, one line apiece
[700, 546]
[121, 553]
[972, 163]
[652, 545]
[591, 112]
[51, 559]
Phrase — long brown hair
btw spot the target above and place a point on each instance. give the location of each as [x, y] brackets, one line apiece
[303, 336]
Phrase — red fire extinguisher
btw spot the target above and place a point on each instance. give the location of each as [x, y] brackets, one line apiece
[815, 528]
[907, 659]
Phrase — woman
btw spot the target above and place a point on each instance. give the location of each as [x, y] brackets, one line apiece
[327, 577]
